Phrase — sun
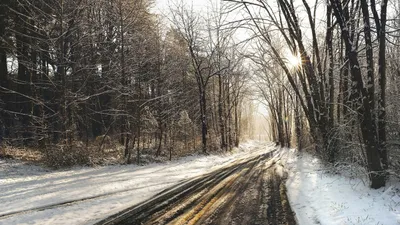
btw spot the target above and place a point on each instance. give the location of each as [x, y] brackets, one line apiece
[293, 60]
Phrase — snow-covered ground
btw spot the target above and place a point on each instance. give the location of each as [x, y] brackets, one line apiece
[32, 195]
[318, 196]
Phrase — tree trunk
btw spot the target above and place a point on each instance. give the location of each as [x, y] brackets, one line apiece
[159, 139]
[203, 117]
[382, 85]
[221, 113]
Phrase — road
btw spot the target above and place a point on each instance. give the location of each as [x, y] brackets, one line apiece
[246, 192]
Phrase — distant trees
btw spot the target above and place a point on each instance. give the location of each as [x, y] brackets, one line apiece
[211, 62]
[272, 88]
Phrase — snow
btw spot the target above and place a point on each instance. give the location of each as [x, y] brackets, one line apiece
[86, 195]
[319, 196]
[33, 195]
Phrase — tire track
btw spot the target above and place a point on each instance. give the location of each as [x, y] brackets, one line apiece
[70, 202]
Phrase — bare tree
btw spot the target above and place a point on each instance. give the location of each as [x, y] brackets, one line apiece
[202, 52]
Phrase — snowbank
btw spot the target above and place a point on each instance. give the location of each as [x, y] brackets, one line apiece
[32, 195]
[318, 196]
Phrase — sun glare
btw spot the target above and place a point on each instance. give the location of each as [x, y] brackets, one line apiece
[293, 61]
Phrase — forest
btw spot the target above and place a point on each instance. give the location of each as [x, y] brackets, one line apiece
[81, 77]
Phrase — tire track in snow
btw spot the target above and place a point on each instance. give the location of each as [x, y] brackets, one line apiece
[73, 201]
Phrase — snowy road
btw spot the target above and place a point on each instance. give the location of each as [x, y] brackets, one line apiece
[33, 195]
[245, 192]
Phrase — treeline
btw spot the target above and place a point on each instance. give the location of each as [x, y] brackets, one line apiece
[75, 73]
[343, 95]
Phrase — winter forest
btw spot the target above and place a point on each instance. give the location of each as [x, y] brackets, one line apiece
[82, 81]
